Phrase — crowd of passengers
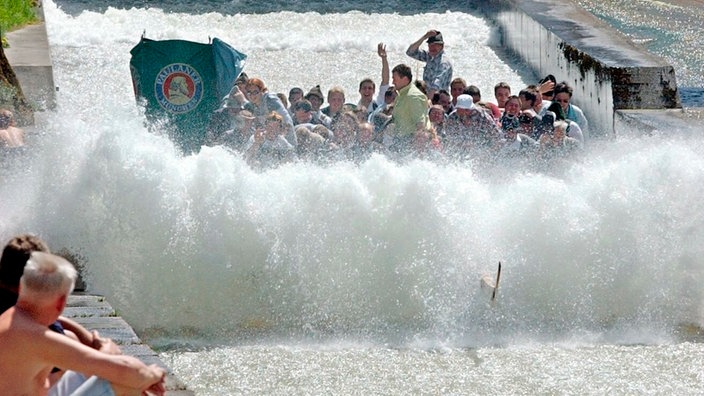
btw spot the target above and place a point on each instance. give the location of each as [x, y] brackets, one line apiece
[437, 117]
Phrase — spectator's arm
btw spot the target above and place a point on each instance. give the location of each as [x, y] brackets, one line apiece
[381, 50]
[415, 47]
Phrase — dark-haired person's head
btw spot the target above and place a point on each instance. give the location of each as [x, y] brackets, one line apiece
[563, 87]
[401, 75]
[366, 81]
[302, 111]
[528, 97]
[443, 98]
[6, 119]
[557, 109]
[474, 92]
[294, 95]
[15, 256]
[390, 95]
[563, 95]
[457, 87]
[501, 92]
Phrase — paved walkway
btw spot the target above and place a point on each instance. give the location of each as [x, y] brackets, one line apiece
[30, 57]
[29, 46]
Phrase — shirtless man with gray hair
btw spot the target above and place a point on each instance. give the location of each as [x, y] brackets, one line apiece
[30, 350]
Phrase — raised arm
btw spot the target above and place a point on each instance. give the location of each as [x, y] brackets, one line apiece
[413, 48]
[236, 97]
[381, 50]
[546, 86]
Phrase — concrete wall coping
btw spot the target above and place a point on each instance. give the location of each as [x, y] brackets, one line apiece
[589, 34]
[607, 71]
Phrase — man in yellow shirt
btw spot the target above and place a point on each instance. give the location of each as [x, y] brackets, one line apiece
[410, 108]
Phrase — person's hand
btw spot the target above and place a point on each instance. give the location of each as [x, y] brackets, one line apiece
[105, 344]
[547, 86]
[158, 388]
[381, 50]
[431, 33]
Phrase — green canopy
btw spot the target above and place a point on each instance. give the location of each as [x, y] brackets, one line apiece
[182, 83]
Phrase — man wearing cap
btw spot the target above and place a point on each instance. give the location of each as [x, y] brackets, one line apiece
[316, 99]
[438, 69]
[469, 127]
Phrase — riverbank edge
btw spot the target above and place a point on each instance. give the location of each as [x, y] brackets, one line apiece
[95, 313]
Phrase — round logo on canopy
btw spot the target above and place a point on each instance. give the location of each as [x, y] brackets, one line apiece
[178, 88]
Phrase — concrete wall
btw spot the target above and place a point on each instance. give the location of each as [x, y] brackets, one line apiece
[30, 58]
[607, 71]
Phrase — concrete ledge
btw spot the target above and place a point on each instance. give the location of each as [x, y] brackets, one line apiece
[95, 313]
[30, 58]
[607, 71]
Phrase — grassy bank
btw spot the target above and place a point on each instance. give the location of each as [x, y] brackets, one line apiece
[14, 14]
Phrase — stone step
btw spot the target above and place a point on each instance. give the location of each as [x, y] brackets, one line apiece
[95, 313]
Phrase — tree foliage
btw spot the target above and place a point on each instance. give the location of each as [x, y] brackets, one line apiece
[16, 13]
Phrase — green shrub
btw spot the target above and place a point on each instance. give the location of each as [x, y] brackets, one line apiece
[16, 13]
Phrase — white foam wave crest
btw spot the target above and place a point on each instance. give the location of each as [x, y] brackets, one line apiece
[205, 242]
[289, 49]
[382, 250]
